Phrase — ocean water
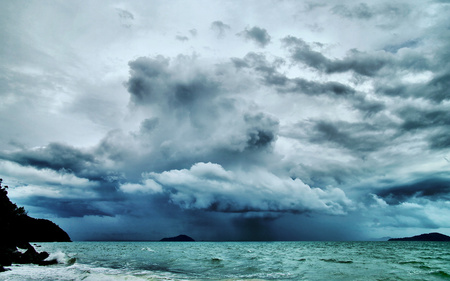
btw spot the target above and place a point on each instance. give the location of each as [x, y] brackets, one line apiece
[240, 261]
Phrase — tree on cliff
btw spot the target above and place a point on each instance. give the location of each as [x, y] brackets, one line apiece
[7, 208]
[9, 212]
[18, 229]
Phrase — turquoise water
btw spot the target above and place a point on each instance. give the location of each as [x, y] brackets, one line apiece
[240, 261]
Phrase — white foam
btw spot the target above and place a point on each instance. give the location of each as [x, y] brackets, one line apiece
[76, 272]
[36, 272]
[59, 256]
[147, 249]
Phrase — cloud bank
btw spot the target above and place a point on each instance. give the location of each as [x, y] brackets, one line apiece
[299, 121]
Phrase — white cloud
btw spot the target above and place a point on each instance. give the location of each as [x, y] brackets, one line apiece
[28, 182]
[148, 186]
[209, 186]
[42, 176]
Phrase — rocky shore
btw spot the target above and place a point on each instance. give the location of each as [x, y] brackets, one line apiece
[18, 230]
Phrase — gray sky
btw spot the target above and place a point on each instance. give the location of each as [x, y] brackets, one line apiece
[254, 120]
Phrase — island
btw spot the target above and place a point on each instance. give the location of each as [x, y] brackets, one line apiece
[179, 238]
[18, 230]
[434, 236]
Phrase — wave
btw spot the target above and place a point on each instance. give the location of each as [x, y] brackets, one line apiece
[441, 273]
[59, 256]
[134, 261]
[411, 262]
[336, 261]
[147, 249]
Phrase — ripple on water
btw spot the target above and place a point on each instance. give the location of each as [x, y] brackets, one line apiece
[336, 261]
[441, 273]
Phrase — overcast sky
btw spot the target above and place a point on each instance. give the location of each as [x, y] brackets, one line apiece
[228, 120]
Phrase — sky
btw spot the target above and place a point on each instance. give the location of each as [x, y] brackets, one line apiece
[228, 120]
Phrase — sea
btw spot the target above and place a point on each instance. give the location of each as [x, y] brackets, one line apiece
[88, 261]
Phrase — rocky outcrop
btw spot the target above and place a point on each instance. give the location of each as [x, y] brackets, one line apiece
[10, 254]
[179, 238]
[424, 237]
[18, 229]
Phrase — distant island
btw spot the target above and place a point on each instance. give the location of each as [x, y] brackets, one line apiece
[179, 238]
[18, 230]
[434, 236]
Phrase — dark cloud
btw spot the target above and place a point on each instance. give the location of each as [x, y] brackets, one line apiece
[358, 62]
[386, 14]
[71, 207]
[193, 103]
[259, 63]
[331, 174]
[258, 35]
[412, 43]
[220, 28]
[262, 130]
[393, 91]
[439, 140]
[356, 137]
[190, 116]
[54, 156]
[148, 125]
[272, 77]
[152, 81]
[434, 90]
[145, 75]
[434, 122]
[360, 11]
[304, 86]
[368, 107]
[438, 88]
[255, 229]
[416, 118]
[187, 93]
[436, 188]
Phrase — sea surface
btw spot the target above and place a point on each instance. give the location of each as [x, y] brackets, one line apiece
[239, 261]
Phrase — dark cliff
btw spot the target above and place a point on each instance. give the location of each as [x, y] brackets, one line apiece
[18, 229]
[18, 226]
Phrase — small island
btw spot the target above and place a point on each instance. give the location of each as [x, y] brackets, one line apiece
[434, 236]
[179, 238]
[18, 230]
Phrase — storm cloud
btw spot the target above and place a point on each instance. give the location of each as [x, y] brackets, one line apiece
[312, 122]
[356, 61]
[256, 34]
[56, 157]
